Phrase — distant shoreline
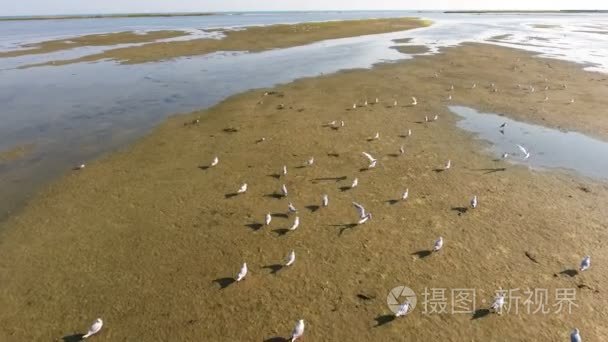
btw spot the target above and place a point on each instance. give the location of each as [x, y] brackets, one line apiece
[524, 12]
[100, 16]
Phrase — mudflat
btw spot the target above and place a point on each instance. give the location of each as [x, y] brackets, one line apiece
[150, 238]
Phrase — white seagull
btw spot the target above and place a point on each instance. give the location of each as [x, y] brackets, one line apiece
[426, 118]
[395, 103]
[284, 170]
[452, 87]
[310, 161]
[242, 189]
[474, 85]
[524, 151]
[355, 183]
[94, 329]
[438, 244]
[505, 155]
[371, 159]
[377, 100]
[401, 150]
[298, 331]
[268, 219]
[403, 309]
[242, 272]
[376, 136]
[414, 101]
[435, 117]
[448, 165]
[215, 161]
[80, 167]
[291, 208]
[498, 303]
[296, 223]
[474, 202]
[341, 123]
[575, 336]
[325, 200]
[406, 194]
[284, 190]
[360, 210]
[291, 258]
[354, 106]
[409, 132]
[364, 219]
[449, 97]
[365, 103]
[571, 101]
[585, 264]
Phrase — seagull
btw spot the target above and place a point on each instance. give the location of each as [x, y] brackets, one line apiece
[474, 202]
[448, 165]
[403, 309]
[372, 160]
[284, 170]
[414, 101]
[401, 150]
[451, 87]
[474, 85]
[426, 118]
[395, 103]
[355, 183]
[435, 117]
[531, 89]
[571, 101]
[242, 189]
[215, 161]
[341, 123]
[405, 194]
[268, 219]
[94, 329]
[360, 210]
[365, 103]
[331, 123]
[296, 223]
[376, 136]
[504, 124]
[505, 155]
[449, 97]
[242, 272]
[284, 190]
[524, 151]
[409, 132]
[585, 264]
[364, 219]
[546, 87]
[377, 100]
[310, 161]
[291, 258]
[492, 85]
[372, 164]
[298, 331]
[438, 244]
[291, 208]
[498, 303]
[354, 106]
[325, 200]
[80, 167]
[546, 98]
[575, 336]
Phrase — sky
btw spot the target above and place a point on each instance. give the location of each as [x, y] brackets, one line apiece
[45, 7]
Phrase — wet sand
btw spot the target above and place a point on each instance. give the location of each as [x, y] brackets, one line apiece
[91, 40]
[252, 39]
[145, 238]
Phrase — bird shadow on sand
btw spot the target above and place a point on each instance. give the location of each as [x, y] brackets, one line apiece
[423, 253]
[491, 170]
[345, 188]
[72, 338]
[323, 179]
[204, 167]
[274, 175]
[460, 210]
[300, 167]
[230, 195]
[274, 195]
[336, 155]
[392, 201]
[569, 272]
[420, 122]
[344, 227]
[364, 169]
[480, 313]
[254, 226]
[384, 319]
[274, 268]
[438, 170]
[276, 339]
[279, 215]
[394, 155]
[313, 208]
[224, 282]
[281, 231]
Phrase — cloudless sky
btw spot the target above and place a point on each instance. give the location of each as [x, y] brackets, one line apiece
[41, 7]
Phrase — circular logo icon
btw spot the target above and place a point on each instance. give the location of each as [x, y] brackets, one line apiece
[398, 295]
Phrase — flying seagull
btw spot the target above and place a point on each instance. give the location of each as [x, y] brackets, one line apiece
[448, 165]
[80, 167]
[377, 100]
[371, 159]
[284, 190]
[325, 200]
[94, 329]
[291, 258]
[409, 132]
[414, 101]
[401, 150]
[284, 170]
[242, 272]
[436, 117]
[575, 336]
[291, 208]
[364, 219]
[395, 103]
[296, 223]
[474, 202]
[268, 219]
[403, 309]
[215, 161]
[310, 161]
[355, 183]
[406, 194]
[298, 331]
[498, 303]
[585, 264]
[438, 244]
[524, 151]
[360, 210]
[242, 189]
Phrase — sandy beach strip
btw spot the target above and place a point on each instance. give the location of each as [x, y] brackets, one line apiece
[252, 39]
[145, 238]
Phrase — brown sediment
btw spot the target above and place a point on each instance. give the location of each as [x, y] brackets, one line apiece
[145, 238]
[252, 39]
[545, 26]
[104, 39]
[500, 37]
[411, 49]
[15, 153]
[596, 32]
[402, 40]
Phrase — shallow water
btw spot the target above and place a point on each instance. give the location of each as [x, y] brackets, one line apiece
[77, 112]
[548, 148]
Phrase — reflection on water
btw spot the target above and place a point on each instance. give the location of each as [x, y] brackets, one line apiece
[549, 148]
